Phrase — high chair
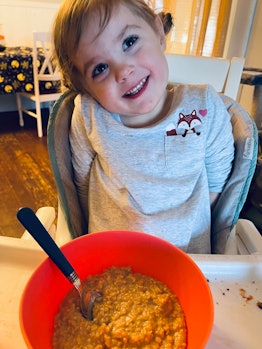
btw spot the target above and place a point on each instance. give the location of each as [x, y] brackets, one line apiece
[72, 223]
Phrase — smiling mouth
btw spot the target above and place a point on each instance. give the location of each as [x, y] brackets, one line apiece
[137, 89]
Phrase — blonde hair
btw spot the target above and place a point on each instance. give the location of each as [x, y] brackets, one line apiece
[70, 20]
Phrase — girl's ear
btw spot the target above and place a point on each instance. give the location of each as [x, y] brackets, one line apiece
[160, 32]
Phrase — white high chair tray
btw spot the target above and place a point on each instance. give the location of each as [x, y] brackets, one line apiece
[235, 282]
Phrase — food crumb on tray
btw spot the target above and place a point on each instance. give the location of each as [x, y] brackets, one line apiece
[259, 304]
[244, 295]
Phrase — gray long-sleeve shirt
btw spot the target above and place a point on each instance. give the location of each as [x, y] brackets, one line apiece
[154, 179]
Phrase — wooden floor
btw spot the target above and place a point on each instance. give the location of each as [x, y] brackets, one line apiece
[25, 172]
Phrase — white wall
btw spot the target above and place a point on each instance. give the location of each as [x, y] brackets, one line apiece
[18, 20]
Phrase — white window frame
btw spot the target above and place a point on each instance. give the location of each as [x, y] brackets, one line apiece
[239, 28]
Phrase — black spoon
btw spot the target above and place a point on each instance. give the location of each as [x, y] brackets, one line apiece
[31, 223]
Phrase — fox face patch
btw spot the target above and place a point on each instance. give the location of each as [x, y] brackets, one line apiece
[187, 123]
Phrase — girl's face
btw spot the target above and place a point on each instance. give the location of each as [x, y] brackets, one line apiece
[124, 67]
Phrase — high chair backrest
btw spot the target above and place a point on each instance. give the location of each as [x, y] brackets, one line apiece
[223, 74]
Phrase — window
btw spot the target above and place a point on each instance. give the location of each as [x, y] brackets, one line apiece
[200, 26]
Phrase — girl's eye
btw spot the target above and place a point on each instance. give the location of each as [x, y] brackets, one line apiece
[99, 69]
[130, 41]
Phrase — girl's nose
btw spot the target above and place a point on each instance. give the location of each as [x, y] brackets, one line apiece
[123, 72]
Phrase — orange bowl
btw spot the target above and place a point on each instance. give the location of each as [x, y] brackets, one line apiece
[92, 254]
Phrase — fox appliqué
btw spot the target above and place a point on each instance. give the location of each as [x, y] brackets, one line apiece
[187, 123]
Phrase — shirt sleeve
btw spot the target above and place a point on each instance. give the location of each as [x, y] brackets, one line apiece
[81, 149]
[220, 143]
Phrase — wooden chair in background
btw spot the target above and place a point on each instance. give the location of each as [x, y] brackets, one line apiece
[47, 72]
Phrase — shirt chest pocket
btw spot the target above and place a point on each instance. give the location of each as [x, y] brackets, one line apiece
[184, 154]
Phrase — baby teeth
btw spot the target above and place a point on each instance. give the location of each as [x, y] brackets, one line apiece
[137, 88]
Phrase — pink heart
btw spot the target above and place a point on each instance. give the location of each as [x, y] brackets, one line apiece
[203, 112]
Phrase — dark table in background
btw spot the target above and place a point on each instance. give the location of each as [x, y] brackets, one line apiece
[16, 71]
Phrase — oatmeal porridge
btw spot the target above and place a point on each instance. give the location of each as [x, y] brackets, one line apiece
[135, 311]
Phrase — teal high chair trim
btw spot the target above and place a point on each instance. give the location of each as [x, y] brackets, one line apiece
[251, 171]
[226, 212]
[60, 158]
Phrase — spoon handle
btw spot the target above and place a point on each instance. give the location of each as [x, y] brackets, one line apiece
[30, 221]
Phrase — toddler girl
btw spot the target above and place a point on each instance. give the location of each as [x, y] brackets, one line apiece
[147, 155]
